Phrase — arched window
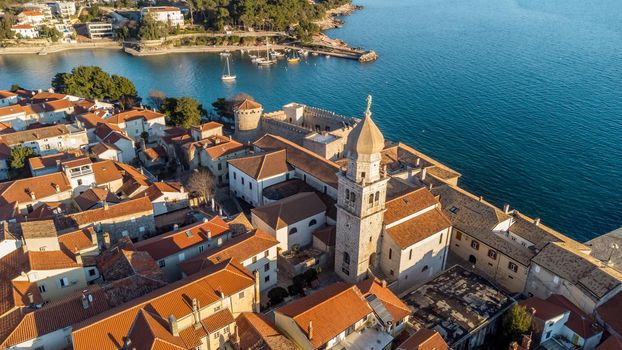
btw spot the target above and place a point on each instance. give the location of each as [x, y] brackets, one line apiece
[371, 198]
[293, 230]
[377, 196]
[346, 258]
[352, 197]
[425, 268]
[347, 194]
[312, 222]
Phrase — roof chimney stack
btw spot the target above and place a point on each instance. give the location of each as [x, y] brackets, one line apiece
[32, 195]
[424, 172]
[536, 221]
[172, 322]
[31, 298]
[175, 227]
[106, 237]
[78, 258]
[506, 208]
[310, 330]
[384, 283]
[196, 313]
[105, 205]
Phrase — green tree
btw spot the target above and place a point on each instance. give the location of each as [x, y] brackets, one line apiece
[151, 29]
[6, 22]
[50, 33]
[515, 322]
[93, 82]
[17, 159]
[184, 111]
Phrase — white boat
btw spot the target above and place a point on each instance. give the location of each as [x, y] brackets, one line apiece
[227, 77]
[225, 54]
[277, 54]
[303, 52]
[266, 61]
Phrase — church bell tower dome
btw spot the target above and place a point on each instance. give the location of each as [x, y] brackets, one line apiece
[366, 138]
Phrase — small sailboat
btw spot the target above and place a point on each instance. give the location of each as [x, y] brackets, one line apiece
[228, 77]
[225, 53]
[268, 60]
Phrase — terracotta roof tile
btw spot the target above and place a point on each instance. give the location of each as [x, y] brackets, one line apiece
[130, 207]
[155, 152]
[134, 114]
[408, 204]
[332, 310]
[78, 240]
[610, 312]
[257, 332]
[545, 310]
[424, 339]
[264, 165]
[109, 329]
[158, 189]
[418, 228]
[50, 260]
[94, 196]
[175, 241]
[24, 136]
[327, 235]
[578, 321]
[106, 171]
[391, 302]
[290, 210]
[53, 160]
[240, 248]
[247, 104]
[42, 186]
[303, 159]
[218, 321]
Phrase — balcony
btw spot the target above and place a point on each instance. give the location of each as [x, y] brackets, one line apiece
[366, 339]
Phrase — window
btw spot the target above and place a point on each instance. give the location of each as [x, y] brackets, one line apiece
[512, 266]
[475, 244]
[188, 233]
[459, 235]
[352, 197]
[391, 272]
[216, 335]
[371, 199]
[42, 248]
[235, 176]
[266, 267]
[242, 179]
[390, 253]
[162, 263]
[312, 222]
[201, 249]
[266, 279]
[219, 166]
[454, 210]
[440, 240]
[182, 256]
[377, 196]
[293, 230]
[425, 268]
[410, 254]
[241, 295]
[254, 259]
[141, 229]
[346, 258]
[42, 288]
[363, 174]
[347, 194]
[266, 253]
[92, 272]
[63, 282]
[548, 335]
[79, 182]
[492, 254]
[250, 185]
[124, 233]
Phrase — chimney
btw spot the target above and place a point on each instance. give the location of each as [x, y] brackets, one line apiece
[196, 314]
[257, 303]
[513, 346]
[172, 322]
[481, 198]
[94, 237]
[430, 186]
[418, 161]
[85, 301]
[78, 258]
[32, 195]
[105, 205]
[106, 237]
[506, 208]
[536, 221]
[310, 330]
[424, 172]
[384, 283]
[205, 220]
[525, 341]
[127, 344]
[31, 298]
[57, 188]
[175, 227]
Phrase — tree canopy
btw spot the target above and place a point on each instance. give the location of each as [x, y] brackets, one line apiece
[184, 111]
[93, 82]
[516, 322]
[17, 160]
[151, 29]
[5, 27]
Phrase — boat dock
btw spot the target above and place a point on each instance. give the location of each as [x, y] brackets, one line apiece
[347, 53]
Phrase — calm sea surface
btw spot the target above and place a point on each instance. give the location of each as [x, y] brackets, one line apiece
[523, 97]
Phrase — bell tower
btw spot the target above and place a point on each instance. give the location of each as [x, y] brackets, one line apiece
[360, 202]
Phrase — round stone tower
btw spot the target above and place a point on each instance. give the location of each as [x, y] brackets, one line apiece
[247, 116]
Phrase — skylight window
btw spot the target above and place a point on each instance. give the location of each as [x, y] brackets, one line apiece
[454, 210]
[188, 234]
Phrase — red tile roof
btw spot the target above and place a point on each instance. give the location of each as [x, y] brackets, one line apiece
[247, 105]
[109, 329]
[290, 210]
[391, 302]
[134, 114]
[176, 241]
[424, 339]
[331, 310]
[408, 204]
[418, 228]
[94, 196]
[127, 208]
[545, 310]
[264, 165]
[580, 322]
[257, 332]
[42, 186]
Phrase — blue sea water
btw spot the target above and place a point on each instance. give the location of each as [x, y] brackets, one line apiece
[523, 97]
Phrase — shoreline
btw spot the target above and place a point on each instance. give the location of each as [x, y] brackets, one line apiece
[35, 50]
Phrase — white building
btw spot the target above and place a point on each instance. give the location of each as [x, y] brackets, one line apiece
[25, 31]
[99, 30]
[137, 121]
[49, 139]
[64, 9]
[248, 176]
[7, 98]
[166, 197]
[171, 16]
[33, 17]
[291, 220]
